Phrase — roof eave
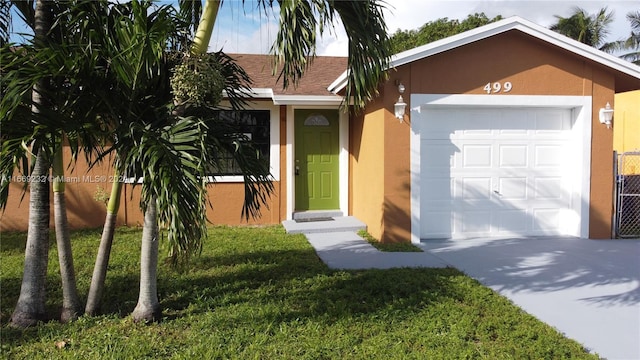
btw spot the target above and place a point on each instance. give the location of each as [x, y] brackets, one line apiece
[317, 100]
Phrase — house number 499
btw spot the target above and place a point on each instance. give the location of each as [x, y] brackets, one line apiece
[496, 87]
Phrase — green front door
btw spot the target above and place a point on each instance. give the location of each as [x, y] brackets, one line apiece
[316, 160]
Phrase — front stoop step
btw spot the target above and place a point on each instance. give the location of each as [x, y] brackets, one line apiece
[324, 225]
[316, 214]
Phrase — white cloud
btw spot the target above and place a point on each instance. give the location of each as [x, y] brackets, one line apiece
[243, 29]
[250, 41]
[248, 30]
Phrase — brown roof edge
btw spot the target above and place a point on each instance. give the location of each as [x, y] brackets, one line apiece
[321, 72]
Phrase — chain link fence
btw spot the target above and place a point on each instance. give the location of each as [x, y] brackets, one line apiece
[628, 195]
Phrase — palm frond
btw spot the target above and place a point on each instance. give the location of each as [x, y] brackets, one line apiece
[369, 48]
[369, 44]
[169, 160]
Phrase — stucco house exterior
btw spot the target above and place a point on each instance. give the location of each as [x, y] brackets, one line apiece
[500, 137]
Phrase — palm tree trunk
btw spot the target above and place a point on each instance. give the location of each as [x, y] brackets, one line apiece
[104, 251]
[148, 308]
[205, 27]
[71, 307]
[31, 303]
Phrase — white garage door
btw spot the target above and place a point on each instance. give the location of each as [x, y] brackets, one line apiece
[495, 172]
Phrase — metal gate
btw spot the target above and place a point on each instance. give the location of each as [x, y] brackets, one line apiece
[627, 219]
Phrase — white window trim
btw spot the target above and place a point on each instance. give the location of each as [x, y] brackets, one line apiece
[581, 134]
[274, 148]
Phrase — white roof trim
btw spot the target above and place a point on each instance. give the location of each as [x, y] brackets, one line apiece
[258, 93]
[267, 93]
[512, 23]
[339, 83]
[307, 100]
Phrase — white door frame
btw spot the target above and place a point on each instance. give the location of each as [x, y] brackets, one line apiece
[580, 135]
[343, 166]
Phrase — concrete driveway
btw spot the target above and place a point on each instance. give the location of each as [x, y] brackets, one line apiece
[587, 289]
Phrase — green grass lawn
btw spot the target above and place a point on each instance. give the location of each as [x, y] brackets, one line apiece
[258, 293]
[388, 247]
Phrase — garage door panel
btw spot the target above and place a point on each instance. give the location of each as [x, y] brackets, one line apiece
[438, 156]
[474, 221]
[513, 156]
[477, 156]
[512, 188]
[548, 155]
[512, 221]
[437, 189]
[437, 224]
[552, 122]
[504, 175]
[548, 188]
[547, 220]
[473, 189]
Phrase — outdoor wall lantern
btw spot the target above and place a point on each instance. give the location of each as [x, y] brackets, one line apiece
[606, 115]
[400, 105]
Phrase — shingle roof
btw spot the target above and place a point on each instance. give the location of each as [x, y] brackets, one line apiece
[321, 72]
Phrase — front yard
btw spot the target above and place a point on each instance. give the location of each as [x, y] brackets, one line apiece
[258, 293]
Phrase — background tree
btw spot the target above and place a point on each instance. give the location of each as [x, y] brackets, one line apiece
[590, 29]
[632, 43]
[438, 29]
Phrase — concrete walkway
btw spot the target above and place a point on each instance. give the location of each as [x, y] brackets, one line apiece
[588, 290]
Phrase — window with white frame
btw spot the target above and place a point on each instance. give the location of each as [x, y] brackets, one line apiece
[253, 126]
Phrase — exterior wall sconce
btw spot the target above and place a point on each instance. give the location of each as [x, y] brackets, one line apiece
[606, 115]
[400, 105]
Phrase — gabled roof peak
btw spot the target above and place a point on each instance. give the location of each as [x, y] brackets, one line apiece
[499, 27]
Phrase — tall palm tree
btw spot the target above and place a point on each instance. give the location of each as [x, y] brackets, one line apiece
[160, 146]
[31, 303]
[25, 70]
[295, 44]
[590, 29]
[632, 43]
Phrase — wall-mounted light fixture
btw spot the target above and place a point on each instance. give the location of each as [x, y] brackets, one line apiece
[606, 115]
[400, 105]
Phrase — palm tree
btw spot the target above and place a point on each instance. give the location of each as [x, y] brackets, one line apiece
[633, 42]
[71, 306]
[31, 303]
[159, 145]
[588, 29]
[25, 70]
[294, 45]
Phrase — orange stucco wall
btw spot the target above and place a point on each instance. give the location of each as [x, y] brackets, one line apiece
[626, 126]
[83, 194]
[226, 199]
[534, 68]
[87, 191]
[366, 164]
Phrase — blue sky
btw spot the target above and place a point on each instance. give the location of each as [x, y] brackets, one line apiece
[246, 29]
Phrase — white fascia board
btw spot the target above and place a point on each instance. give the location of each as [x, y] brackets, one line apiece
[319, 100]
[256, 93]
[339, 83]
